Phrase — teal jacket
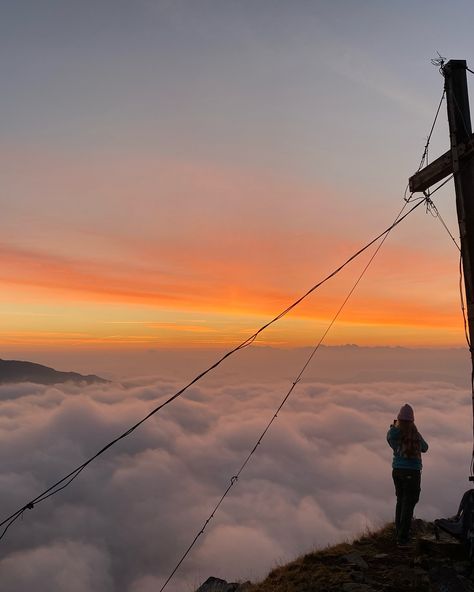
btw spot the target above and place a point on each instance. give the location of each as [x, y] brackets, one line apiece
[400, 461]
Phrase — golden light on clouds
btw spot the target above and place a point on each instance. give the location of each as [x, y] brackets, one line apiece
[208, 279]
[86, 324]
[50, 301]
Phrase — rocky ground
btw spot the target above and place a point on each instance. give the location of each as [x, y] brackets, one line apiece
[372, 563]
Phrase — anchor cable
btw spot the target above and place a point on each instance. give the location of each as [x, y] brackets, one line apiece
[235, 478]
[72, 475]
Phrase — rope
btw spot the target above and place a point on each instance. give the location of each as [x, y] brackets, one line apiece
[463, 304]
[439, 63]
[425, 151]
[235, 478]
[424, 156]
[69, 478]
[433, 210]
[431, 207]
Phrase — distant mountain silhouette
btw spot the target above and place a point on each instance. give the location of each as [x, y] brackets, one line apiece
[19, 371]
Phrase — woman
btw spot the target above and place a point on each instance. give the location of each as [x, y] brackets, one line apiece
[407, 444]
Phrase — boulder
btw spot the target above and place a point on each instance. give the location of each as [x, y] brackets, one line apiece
[217, 585]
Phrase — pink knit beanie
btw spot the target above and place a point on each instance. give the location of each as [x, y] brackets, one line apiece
[406, 413]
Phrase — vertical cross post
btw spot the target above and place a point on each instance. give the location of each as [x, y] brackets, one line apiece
[460, 132]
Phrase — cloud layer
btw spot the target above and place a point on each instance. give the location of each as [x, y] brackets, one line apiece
[322, 474]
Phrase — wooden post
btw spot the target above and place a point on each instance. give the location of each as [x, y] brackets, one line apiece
[460, 131]
[459, 161]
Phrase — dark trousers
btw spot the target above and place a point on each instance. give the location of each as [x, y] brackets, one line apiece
[407, 488]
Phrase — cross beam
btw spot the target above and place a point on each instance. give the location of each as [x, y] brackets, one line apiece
[440, 168]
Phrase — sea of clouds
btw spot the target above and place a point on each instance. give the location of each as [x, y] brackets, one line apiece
[321, 475]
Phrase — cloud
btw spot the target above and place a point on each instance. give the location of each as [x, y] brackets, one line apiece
[67, 565]
[183, 252]
[321, 475]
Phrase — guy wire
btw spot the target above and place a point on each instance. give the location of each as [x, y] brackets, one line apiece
[235, 478]
[67, 479]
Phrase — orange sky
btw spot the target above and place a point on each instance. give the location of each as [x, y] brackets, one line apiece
[185, 196]
[204, 296]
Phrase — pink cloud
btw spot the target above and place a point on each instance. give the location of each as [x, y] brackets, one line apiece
[322, 474]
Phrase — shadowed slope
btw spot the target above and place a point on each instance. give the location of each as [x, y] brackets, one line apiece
[372, 563]
[19, 371]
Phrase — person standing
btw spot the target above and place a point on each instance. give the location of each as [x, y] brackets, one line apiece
[407, 444]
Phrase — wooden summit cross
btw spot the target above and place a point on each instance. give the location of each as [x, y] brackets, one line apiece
[459, 161]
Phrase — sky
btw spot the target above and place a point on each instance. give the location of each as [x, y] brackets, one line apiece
[175, 173]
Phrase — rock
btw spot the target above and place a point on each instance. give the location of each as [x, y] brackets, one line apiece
[357, 576]
[356, 559]
[444, 547]
[421, 579]
[422, 527]
[376, 567]
[463, 567]
[217, 585]
[213, 585]
[402, 577]
[354, 587]
[445, 578]
[244, 586]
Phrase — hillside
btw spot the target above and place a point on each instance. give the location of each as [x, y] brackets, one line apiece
[19, 371]
[372, 563]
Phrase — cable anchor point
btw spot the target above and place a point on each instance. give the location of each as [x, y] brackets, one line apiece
[439, 63]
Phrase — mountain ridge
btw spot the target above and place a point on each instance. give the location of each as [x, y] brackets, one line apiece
[14, 371]
[371, 563]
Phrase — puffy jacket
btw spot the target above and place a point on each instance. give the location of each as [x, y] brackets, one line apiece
[400, 461]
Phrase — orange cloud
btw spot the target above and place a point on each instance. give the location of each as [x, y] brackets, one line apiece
[237, 285]
[134, 232]
[233, 290]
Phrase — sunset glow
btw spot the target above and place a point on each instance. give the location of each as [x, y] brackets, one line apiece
[190, 223]
[54, 302]
[176, 174]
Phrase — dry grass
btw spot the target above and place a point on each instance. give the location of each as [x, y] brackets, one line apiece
[377, 562]
[319, 570]
[324, 570]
